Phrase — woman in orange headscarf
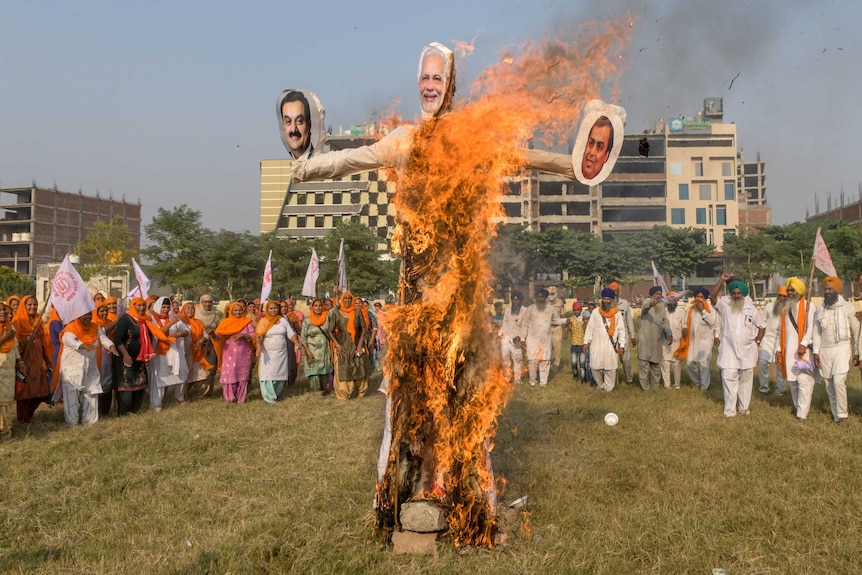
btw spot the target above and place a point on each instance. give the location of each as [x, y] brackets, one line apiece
[233, 340]
[348, 330]
[315, 344]
[276, 342]
[9, 360]
[13, 301]
[35, 347]
[133, 339]
[195, 357]
[103, 321]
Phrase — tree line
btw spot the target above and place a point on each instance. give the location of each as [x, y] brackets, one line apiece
[182, 253]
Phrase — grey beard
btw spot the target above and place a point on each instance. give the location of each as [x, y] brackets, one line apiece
[778, 306]
[606, 307]
[736, 306]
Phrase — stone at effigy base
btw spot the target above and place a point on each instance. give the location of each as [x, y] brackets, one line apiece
[411, 543]
[422, 517]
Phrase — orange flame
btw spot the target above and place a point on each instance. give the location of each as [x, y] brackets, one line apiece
[447, 391]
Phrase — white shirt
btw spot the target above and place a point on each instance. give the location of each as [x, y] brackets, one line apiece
[737, 348]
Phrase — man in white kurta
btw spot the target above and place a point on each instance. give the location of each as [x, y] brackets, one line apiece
[605, 341]
[700, 323]
[670, 363]
[792, 349]
[510, 339]
[536, 336]
[769, 343]
[835, 325]
[742, 328]
[79, 373]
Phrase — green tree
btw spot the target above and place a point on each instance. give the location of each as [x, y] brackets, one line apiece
[751, 256]
[107, 249]
[679, 251]
[177, 246]
[15, 283]
[367, 274]
[235, 264]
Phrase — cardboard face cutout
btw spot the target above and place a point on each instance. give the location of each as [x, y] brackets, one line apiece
[600, 139]
[436, 77]
[301, 123]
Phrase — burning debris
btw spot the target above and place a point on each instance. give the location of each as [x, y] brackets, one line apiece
[446, 392]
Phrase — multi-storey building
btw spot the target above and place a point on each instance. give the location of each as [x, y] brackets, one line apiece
[312, 209]
[751, 182]
[40, 226]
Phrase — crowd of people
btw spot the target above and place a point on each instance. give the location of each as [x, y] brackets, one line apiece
[111, 357]
[798, 341]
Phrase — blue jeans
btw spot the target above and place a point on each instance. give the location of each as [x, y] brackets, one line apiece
[579, 363]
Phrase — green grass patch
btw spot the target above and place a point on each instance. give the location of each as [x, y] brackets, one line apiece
[215, 488]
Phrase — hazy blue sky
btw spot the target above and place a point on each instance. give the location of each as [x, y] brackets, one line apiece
[174, 102]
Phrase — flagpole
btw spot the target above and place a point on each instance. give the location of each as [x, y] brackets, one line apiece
[810, 285]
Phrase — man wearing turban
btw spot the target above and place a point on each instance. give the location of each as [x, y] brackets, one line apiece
[625, 308]
[654, 333]
[536, 337]
[835, 324]
[742, 329]
[792, 354]
[605, 341]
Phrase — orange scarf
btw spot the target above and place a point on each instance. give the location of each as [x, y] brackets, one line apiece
[11, 298]
[97, 320]
[227, 327]
[801, 310]
[317, 319]
[147, 352]
[351, 317]
[612, 314]
[265, 324]
[24, 327]
[111, 315]
[196, 328]
[6, 346]
[682, 351]
[87, 335]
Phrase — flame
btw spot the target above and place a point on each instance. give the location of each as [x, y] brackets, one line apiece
[447, 390]
[463, 49]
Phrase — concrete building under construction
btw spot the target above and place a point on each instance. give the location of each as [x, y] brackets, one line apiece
[41, 225]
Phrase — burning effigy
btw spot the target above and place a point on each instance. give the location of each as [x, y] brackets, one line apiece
[446, 392]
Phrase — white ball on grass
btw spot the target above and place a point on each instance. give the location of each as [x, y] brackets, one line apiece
[611, 419]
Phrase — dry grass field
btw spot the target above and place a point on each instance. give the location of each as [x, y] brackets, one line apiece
[215, 488]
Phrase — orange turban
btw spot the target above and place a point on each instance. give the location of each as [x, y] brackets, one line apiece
[614, 286]
[782, 290]
[835, 282]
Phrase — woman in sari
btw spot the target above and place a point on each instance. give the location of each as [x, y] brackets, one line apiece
[315, 343]
[196, 359]
[133, 339]
[35, 347]
[348, 329]
[234, 341]
[9, 360]
[276, 341]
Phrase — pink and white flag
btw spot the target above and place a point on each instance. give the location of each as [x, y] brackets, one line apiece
[266, 288]
[658, 279]
[821, 256]
[143, 281]
[309, 286]
[69, 293]
[342, 269]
